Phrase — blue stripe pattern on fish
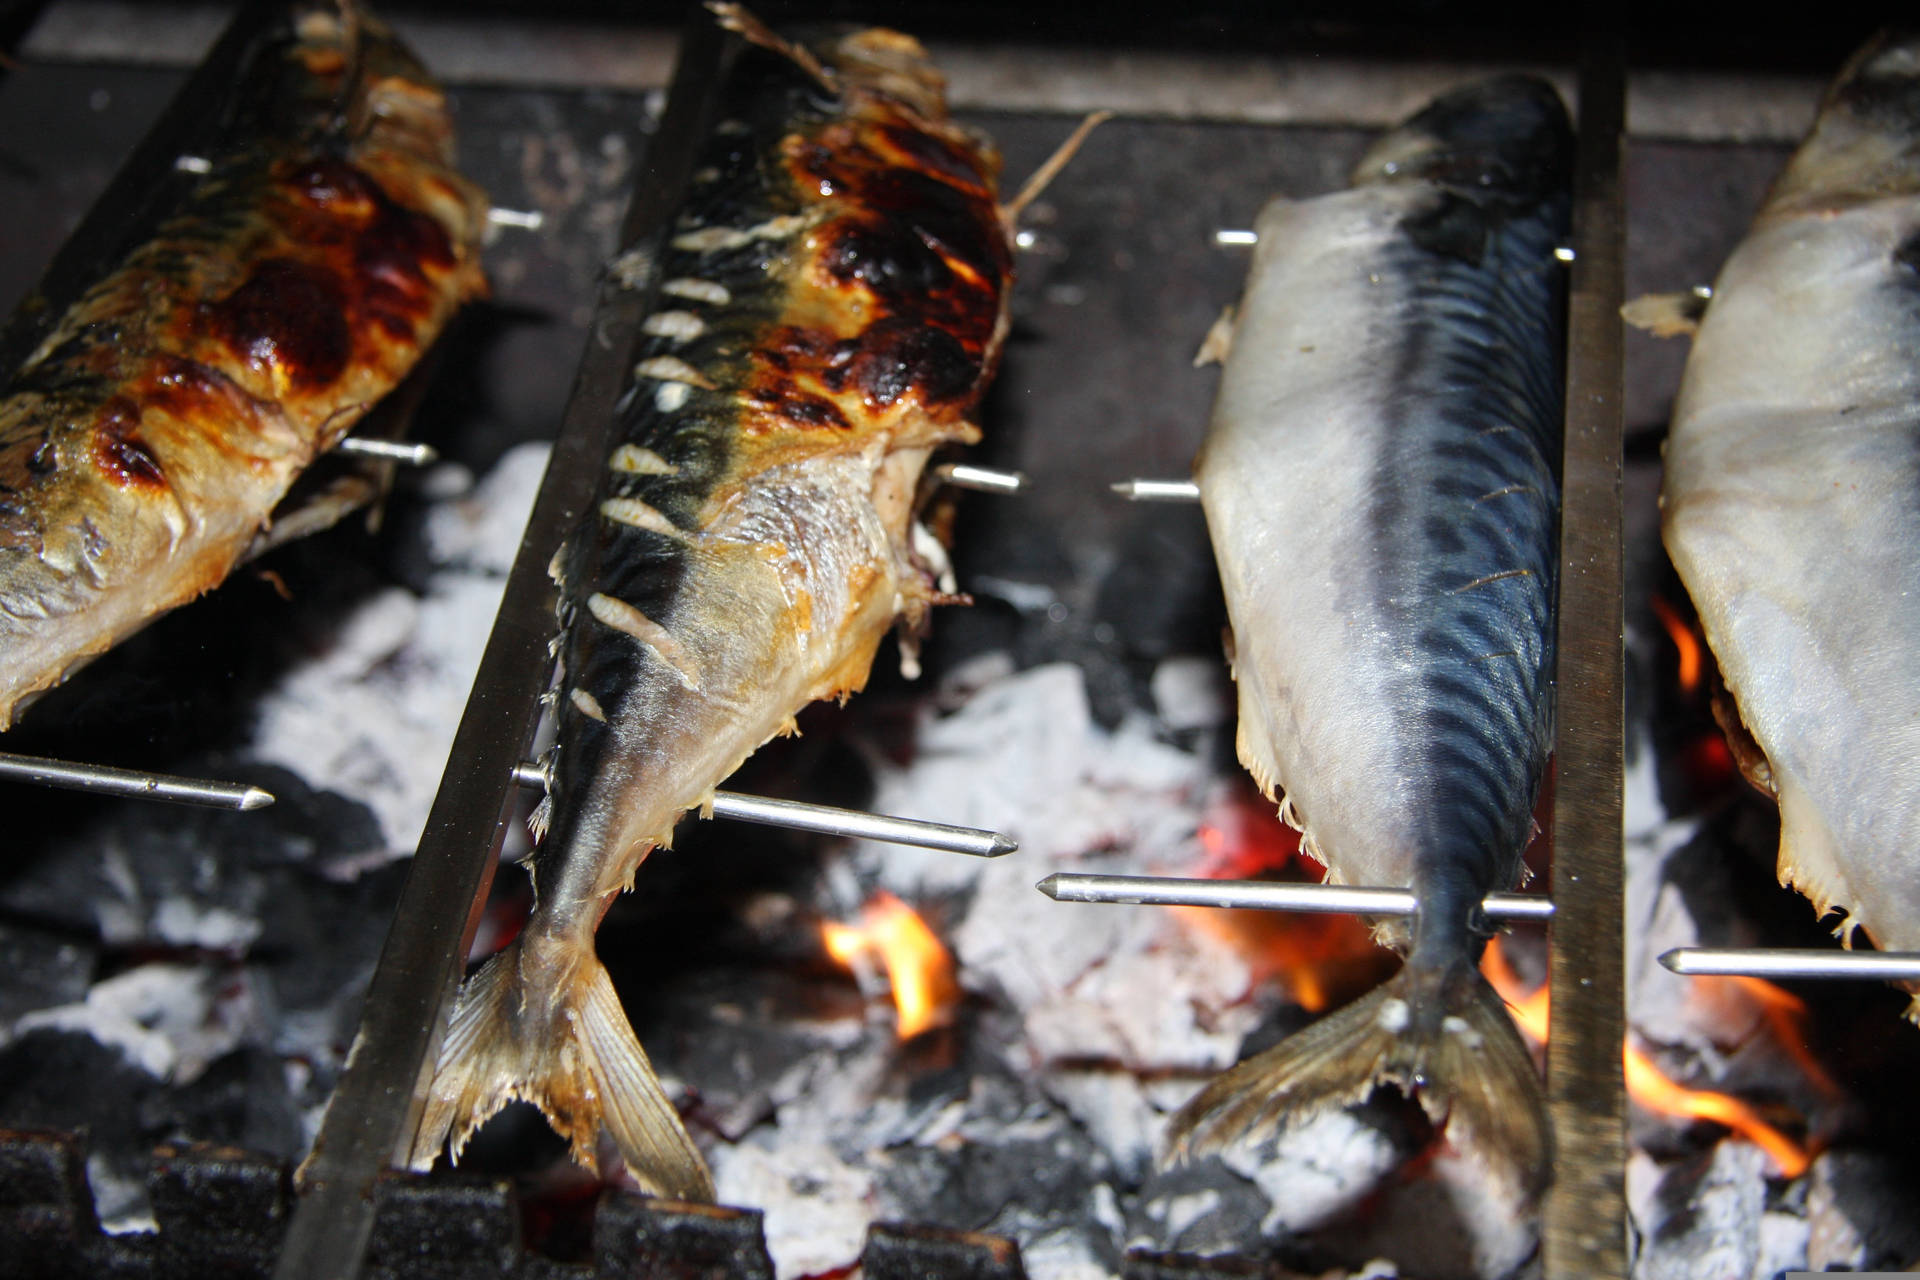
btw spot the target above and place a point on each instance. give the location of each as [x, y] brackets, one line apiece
[1380, 478]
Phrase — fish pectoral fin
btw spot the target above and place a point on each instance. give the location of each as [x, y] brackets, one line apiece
[584, 1071]
[1668, 315]
[1218, 344]
[1471, 1072]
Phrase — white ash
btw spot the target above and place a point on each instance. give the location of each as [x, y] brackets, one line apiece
[374, 714]
[817, 1205]
[1459, 1223]
[183, 922]
[1193, 693]
[170, 1020]
[1702, 1217]
[119, 1201]
[1317, 1171]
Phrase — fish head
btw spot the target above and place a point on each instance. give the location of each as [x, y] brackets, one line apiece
[1505, 138]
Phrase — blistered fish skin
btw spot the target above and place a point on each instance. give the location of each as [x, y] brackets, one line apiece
[144, 444]
[833, 302]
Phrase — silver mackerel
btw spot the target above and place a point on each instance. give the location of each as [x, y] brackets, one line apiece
[1791, 502]
[1380, 480]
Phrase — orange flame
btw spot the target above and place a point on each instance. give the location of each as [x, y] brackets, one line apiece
[1646, 1084]
[918, 965]
[1318, 959]
[1685, 642]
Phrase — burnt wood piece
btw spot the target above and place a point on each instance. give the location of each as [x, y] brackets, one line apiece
[221, 1211]
[897, 1251]
[1142, 1264]
[671, 1240]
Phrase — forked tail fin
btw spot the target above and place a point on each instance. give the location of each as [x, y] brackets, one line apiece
[1468, 1067]
[583, 1068]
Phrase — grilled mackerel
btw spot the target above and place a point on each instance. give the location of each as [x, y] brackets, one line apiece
[833, 303]
[145, 442]
[1790, 503]
[1380, 479]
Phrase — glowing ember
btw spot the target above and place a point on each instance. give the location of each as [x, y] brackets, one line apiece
[1646, 1084]
[1320, 960]
[1685, 643]
[918, 966]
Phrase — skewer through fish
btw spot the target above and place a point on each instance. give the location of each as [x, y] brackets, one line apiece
[146, 441]
[1380, 480]
[834, 301]
[1790, 502]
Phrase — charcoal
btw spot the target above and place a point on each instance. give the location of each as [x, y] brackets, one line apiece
[241, 1100]
[44, 968]
[220, 1211]
[670, 1241]
[899, 1252]
[1860, 1205]
[444, 1227]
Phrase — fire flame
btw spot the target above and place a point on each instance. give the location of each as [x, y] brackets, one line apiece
[1646, 1084]
[919, 967]
[1320, 960]
[1686, 644]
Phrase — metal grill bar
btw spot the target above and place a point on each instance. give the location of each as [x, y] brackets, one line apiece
[1583, 1232]
[375, 1109]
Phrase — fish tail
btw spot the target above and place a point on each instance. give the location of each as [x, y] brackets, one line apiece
[576, 1059]
[1461, 1057]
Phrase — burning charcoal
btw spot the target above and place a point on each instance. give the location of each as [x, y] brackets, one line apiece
[1860, 1206]
[219, 1211]
[449, 1227]
[637, 1237]
[241, 1100]
[897, 1252]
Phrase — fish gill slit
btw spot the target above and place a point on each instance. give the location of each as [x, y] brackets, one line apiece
[624, 618]
[1491, 577]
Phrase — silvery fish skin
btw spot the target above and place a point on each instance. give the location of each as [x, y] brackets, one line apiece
[833, 305]
[1789, 502]
[1380, 479]
[145, 443]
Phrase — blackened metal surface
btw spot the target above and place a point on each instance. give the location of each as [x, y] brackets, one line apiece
[898, 1252]
[1583, 1228]
[674, 1241]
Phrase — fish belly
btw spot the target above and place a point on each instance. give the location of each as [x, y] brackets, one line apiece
[1381, 496]
[1791, 508]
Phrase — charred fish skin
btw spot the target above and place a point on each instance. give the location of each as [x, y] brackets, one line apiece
[145, 442]
[833, 301]
[1788, 502]
[1380, 479]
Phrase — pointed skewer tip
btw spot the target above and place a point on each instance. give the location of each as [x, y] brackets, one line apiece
[255, 798]
[1050, 886]
[1003, 844]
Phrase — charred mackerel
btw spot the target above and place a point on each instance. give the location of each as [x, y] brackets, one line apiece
[145, 442]
[1381, 484]
[833, 302]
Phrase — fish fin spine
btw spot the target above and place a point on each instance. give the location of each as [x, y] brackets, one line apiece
[1467, 1066]
[584, 1069]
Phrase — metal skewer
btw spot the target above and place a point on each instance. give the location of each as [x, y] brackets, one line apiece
[405, 452]
[827, 820]
[1794, 962]
[1267, 895]
[521, 219]
[132, 783]
[1236, 238]
[1157, 490]
[964, 475]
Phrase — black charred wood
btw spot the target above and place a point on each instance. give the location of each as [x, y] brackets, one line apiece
[448, 1227]
[221, 1212]
[1143, 1265]
[46, 1207]
[670, 1240]
[898, 1252]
